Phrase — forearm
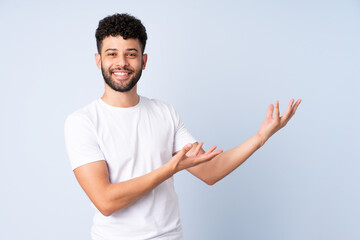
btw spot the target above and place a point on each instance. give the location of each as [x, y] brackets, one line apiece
[117, 196]
[111, 197]
[226, 162]
[125, 193]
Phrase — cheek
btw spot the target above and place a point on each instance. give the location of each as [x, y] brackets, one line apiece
[106, 64]
[138, 64]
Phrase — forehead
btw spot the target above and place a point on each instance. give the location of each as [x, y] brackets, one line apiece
[120, 43]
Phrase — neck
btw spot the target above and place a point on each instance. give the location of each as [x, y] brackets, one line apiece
[121, 99]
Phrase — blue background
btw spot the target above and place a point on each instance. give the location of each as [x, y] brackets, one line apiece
[220, 63]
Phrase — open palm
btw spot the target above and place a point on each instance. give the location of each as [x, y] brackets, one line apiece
[183, 159]
[273, 122]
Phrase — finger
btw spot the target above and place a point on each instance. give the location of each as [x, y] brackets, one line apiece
[270, 111]
[295, 107]
[288, 111]
[209, 156]
[198, 147]
[217, 152]
[277, 111]
[211, 149]
[184, 150]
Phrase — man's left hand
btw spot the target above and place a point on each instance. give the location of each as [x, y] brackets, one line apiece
[272, 124]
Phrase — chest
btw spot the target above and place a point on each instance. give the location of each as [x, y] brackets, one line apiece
[137, 142]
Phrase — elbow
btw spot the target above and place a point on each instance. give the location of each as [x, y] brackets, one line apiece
[105, 209]
[210, 182]
[105, 212]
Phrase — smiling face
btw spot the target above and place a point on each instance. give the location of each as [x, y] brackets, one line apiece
[121, 62]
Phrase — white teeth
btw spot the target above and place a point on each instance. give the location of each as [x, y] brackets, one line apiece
[120, 73]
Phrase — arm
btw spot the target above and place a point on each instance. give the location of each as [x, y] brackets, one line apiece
[224, 163]
[108, 198]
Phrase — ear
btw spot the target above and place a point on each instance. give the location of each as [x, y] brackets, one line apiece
[144, 60]
[98, 60]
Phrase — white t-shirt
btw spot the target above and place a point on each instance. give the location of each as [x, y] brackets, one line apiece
[133, 141]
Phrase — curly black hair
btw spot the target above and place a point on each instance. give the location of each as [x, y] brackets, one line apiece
[123, 25]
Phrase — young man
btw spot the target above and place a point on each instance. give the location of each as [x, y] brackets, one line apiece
[124, 148]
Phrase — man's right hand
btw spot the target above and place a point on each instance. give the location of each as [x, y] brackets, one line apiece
[111, 197]
[183, 159]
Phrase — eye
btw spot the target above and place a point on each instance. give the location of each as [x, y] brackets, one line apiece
[111, 54]
[132, 54]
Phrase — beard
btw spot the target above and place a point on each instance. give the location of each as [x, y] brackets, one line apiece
[121, 86]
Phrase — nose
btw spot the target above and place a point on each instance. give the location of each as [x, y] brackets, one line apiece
[122, 61]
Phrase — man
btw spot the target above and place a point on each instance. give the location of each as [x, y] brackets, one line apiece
[125, 148]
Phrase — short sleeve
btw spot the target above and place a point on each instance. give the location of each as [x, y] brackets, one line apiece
[182, 135]
[81, 141]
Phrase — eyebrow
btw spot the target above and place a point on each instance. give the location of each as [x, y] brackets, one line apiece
[115, 49]
[132, 49]
[111, 49]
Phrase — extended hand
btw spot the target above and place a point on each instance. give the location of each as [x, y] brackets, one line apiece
[273, 124]
[181, 160]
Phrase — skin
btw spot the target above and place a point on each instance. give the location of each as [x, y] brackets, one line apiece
[210, 166]
[119, 53]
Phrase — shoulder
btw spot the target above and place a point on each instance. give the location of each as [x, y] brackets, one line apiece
[161, 108]
[153, 102]
[86, 114]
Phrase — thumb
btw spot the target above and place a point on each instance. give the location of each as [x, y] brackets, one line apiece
[185, 149]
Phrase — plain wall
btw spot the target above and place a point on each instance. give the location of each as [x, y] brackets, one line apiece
[220, 63]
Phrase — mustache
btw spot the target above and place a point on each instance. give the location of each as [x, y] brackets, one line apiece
[127, 69]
